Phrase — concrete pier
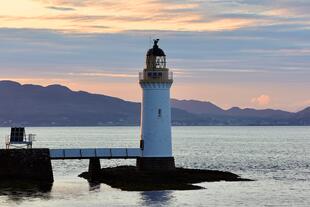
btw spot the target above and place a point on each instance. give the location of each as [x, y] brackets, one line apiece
[94, 168]
[26, 164]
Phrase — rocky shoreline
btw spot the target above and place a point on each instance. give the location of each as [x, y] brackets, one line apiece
[128, 178]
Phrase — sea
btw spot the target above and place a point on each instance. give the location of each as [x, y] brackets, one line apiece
[276, 158]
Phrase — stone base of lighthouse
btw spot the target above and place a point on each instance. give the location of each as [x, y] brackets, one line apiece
[155, 163]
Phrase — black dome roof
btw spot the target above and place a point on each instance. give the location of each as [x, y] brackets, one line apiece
[155, 51]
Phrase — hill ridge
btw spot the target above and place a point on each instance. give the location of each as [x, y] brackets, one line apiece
[58, 105]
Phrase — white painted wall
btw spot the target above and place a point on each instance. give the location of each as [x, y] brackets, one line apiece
[155, 129]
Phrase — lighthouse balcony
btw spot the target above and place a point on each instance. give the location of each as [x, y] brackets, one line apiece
[156, 76]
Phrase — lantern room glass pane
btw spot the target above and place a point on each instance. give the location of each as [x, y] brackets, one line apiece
[160, 62]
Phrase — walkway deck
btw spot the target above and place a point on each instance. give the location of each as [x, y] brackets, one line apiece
[102, 153]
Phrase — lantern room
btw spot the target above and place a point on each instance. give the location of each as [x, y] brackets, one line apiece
[155, 57]
[156, 70]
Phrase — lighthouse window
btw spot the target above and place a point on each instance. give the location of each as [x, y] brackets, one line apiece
[159, 112]
[160, 62]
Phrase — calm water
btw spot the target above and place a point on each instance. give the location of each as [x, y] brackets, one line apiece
[278, 158]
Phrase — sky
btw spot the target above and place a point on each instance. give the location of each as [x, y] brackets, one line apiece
[246, 53]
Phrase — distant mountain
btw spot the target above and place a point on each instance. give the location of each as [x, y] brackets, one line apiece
[56, 105]
[208, 108]
[264, 113]
[210, 114]
[197, 107]
[303, 117]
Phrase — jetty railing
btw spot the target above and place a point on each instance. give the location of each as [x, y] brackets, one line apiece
[156, 76]
[26, 141]
[102, 153]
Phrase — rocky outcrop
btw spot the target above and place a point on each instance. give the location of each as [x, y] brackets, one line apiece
[131, 179]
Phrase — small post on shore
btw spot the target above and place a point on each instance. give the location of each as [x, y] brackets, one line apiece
[94, 168]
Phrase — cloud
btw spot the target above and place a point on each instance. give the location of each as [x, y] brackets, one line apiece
[61, 8]
[150, 15]
[262, 100]
[283, 12]
[241, 47]
[119, 16]
[102, 74]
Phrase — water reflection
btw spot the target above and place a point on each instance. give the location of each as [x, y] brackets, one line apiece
[94, 186]
[19, 190]
[156, 198]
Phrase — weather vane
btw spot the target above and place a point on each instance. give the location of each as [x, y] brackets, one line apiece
[155, 42]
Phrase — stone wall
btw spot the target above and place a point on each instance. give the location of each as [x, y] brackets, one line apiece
[29, 164]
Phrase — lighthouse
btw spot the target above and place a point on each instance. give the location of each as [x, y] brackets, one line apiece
[155, 141]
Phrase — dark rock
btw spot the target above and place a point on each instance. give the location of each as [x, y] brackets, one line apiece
[131, 179]
[155, 163]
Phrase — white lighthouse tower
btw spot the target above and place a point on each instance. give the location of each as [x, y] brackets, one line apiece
[155, 81]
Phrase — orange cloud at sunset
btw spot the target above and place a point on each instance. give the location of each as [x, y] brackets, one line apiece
[262, 100]
[112, 16]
